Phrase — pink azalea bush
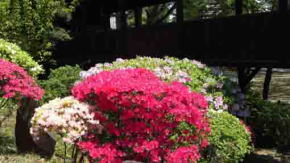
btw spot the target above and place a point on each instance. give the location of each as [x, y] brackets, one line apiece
[15, 82]
[143, 118]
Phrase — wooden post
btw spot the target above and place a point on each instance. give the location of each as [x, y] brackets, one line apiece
[121, 16]
[267, 82]
[283, 5]
[239, 7]
[179, 11]
[241, 78]
[138, 17]
[121, 39]
[179, 20]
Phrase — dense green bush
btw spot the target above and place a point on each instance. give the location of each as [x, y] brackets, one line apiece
[59, 82]
[229, 141]
[270, 122]
[14, 54]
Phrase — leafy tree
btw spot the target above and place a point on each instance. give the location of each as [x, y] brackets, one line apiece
[32, 24]
[199, 9]
[158, 13]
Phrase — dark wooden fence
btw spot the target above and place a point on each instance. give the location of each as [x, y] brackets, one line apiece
[259, 40]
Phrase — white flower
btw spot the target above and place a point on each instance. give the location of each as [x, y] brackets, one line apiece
[36, 68]
[107, 64]
[168, 60]
[120, 60]
[67, 117]
[219, 85]
[198, 64]
[168, 70]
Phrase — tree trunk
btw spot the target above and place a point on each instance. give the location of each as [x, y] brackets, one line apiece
[24, 141]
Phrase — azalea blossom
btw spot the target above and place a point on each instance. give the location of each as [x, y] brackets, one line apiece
[143, 116]
[66, 117]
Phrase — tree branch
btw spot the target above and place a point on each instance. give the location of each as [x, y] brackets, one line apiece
[167, 14]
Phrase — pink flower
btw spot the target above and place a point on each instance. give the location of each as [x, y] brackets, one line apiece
[140, 114]
[184, 154]
[16, 83]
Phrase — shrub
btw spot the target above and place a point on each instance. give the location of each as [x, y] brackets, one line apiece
[143, 118]
[230, 139]
[15, 83]
[67, 117]
[14, 54]
[60, 81]
[189, 72]
[270, 122]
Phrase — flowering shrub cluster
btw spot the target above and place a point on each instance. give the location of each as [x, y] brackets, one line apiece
[191, 73]
[143, 118]
[13, 53]
[67, 117]
[16, 83]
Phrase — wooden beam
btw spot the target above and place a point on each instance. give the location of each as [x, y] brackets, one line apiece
[131, 4]
[113, 5]
[245, 75]
[239, 7]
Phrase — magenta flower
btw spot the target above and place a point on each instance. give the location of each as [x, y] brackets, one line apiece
[16, 83]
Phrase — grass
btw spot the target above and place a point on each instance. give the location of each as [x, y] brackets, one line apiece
[8, 152]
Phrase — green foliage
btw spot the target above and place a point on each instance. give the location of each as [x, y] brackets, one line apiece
[270, 122]
[31, 24]
[60, 82]
[14, 54]
[229, 141]
[196, 9]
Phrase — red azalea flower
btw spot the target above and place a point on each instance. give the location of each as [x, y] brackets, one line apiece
[16, 83]
[144, 117]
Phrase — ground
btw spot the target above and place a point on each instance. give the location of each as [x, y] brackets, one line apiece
[279, 87]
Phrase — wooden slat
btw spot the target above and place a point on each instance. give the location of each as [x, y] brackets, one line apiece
[112, 5]
[239, 7]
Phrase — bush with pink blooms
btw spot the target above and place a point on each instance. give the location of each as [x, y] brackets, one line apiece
[15, 82]
[143, 118]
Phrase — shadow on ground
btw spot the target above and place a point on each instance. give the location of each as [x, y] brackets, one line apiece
[7, 145]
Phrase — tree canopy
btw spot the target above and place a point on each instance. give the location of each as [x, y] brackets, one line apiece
[32, 24]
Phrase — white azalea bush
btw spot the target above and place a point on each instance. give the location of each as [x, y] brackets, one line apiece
[67, 117]
[192, 73]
